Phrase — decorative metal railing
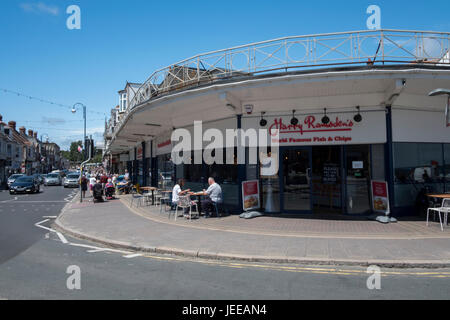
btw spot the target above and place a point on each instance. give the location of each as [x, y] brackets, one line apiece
[296, 53]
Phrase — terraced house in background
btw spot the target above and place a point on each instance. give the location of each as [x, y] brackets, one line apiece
[351, 108]
[23, 152]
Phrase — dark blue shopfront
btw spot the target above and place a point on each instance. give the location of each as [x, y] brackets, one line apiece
[323, 179]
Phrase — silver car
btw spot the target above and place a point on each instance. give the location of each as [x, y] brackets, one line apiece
[72, 180]
[53, 179]
[13, 178]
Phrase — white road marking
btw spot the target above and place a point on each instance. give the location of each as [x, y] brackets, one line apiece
[50, 217]
[134, 255]
[97, 248]
[5, 201]
[61, 237]
[33, 201]
[43, 221]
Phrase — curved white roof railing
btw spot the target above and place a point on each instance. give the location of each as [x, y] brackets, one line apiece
[381, 47]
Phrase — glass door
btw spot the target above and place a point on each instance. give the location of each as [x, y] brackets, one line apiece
[327, 179]
[358, 179]
[295, 184]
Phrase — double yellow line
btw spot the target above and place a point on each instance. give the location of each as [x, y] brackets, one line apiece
[314, 270]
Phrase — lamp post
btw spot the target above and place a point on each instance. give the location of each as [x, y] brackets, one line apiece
[439, 92]
[74, 110]
[46, 156]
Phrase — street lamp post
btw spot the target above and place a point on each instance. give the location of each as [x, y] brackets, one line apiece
[439, 92]
[46, 157]
[74, 110]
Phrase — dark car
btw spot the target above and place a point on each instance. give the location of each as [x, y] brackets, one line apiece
[25, 184]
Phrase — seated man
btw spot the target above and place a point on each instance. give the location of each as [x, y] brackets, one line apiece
[177, 192]
[214, 194]
[98, 191]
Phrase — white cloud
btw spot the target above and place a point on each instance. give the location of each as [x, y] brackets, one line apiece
[40, 7]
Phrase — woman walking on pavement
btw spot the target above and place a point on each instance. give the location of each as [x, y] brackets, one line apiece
[83, 183]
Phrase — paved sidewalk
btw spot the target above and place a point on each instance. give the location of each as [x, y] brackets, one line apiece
[267, 239]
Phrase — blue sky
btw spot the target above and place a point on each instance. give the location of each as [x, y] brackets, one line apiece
[127, 40]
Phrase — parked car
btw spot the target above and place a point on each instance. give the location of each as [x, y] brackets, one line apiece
[25, 184]
[53, 179]
[72, 180]
[13, 178]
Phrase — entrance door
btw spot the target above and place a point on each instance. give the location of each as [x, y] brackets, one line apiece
[327, 179]
[295, 184]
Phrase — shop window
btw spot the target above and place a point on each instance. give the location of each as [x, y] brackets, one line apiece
[166, 173]
[416, 166]
[447, 166]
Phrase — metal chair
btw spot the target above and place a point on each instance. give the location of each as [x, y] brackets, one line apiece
[158, 195]
[139, 199]
[444, 209]
[185, 202]
[217, 207]
[164, 200]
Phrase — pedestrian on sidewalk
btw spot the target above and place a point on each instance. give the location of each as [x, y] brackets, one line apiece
[83, 183]
[92, 182]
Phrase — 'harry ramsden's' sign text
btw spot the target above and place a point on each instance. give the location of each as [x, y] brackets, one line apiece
[311, 124]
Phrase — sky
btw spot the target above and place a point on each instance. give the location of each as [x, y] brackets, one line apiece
[122, 41]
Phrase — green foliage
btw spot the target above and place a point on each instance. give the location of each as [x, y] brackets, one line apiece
[73, 154]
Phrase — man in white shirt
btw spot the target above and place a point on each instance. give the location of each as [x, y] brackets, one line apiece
[214, 193]
[177, 192]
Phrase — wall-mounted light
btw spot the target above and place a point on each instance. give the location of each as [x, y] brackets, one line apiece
[325, 119]
[294, 120]
[358, 117]
[263, 122]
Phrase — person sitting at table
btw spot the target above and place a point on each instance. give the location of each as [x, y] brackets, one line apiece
[177, 192]
[214, 193]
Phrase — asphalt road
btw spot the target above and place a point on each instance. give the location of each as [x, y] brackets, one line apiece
[34, 264]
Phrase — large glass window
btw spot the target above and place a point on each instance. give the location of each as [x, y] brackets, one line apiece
[416, 166]
[166, 173]
[447, 166]
[226, 175]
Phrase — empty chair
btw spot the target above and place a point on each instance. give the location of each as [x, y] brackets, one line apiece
[443, 209]
[185, 202]
[166, 199]
[137, 198]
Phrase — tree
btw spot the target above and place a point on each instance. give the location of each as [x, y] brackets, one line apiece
[73, 154]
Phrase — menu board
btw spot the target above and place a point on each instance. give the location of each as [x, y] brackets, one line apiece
[250, 195]
[380, 197]
[330, 173]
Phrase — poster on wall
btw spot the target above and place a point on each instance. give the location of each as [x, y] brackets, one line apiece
[139, 154]
[380, 197]
[250, 195]
[330, 173]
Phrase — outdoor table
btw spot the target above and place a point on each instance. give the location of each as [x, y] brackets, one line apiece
[438, 195]
[152, 189]
[441, 196]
